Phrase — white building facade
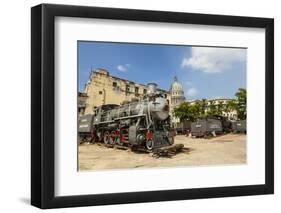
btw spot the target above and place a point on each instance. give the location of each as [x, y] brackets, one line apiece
[231, 115]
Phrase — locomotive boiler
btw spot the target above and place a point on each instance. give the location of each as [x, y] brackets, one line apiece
[137, 123]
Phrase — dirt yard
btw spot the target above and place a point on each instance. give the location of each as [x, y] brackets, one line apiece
[226, 149]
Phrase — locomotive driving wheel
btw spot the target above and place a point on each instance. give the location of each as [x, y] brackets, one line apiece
[113, 137]
[106, 137]
[149, 144]
[93, 137]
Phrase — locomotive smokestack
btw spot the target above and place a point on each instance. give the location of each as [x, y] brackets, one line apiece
[151, 89]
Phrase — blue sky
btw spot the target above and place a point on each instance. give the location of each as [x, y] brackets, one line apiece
[204, 72]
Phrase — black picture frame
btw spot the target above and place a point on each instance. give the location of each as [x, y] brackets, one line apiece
[43, 105]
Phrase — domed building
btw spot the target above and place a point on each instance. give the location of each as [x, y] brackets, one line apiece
[177, 93]
[177, 97]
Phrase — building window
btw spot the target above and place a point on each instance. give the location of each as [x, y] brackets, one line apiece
[100, 92]
[144, 91]
[136, 90]
[114, 84]
[127, 88]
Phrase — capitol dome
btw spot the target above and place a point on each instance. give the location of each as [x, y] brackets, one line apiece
[177, 93]
[176, 86]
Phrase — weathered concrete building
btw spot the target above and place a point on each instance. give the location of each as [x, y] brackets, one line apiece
[102, 88]
[82, 103]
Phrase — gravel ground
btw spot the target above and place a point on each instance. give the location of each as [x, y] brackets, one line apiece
[226, 149]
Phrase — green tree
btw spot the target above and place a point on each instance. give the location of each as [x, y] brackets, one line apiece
[231, 105]
[203, 107]
[220, 107]
[182, 111]
[187, 111]
[212, 109]
[241, 107]
[195, 110]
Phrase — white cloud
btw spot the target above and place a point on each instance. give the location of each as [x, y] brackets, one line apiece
[122, 68]
[213, 60]
[192, 92]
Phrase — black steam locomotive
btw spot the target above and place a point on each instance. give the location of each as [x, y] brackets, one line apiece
[216, 125]
[144, 123]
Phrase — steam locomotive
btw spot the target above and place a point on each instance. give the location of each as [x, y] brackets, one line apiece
[144, 123]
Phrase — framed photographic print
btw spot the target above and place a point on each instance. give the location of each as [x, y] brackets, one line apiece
[141, 106]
